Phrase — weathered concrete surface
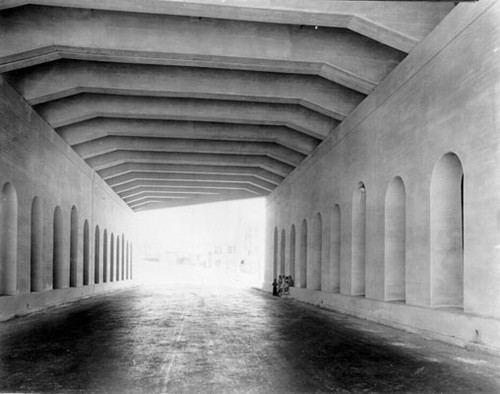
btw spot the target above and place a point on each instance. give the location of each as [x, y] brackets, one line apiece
[40, 165]
[390, 23]
[224, 340]
[86, 106]
[285, 72]
[29, 303]
[431, 106]
[172, 38]
[61, 79]
[101, 127]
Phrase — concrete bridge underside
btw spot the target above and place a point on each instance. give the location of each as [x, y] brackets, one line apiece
[201, 101]
[371, 127]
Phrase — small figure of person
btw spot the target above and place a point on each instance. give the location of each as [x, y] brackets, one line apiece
[290, 281]
[275, 288]
[286, 286]
[281, 283]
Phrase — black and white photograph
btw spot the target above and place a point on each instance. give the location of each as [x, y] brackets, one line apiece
[249, 196]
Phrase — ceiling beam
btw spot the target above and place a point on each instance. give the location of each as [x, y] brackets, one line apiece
[96, 128]
[104, 145]
[390, 23]
[116, 158]
[82, 107]
[223, 42]
[158, 190]
[136, 179]
[110, 174]
[61, 79]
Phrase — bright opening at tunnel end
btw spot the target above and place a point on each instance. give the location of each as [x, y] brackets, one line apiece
[218, 245]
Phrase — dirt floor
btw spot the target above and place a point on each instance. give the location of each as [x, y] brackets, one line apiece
[196, 339]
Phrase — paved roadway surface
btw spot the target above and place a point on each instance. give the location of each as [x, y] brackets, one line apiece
[194, 339]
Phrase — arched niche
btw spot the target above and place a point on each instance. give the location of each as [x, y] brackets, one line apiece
[395, 241]
[97, 254]
[303, 255]
[58, 270]
[292, 252]
[335, 250]
[112, 258]
[86, 253]
[275, 254]
[358, 240]
[123, 258]
[117, 278]
[73, 248]
[447, 241]
[316, 253]
[105, 249]
[282, 252]
[8, 240]
[36, 255]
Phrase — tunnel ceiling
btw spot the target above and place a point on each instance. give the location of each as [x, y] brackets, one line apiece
[184, 102]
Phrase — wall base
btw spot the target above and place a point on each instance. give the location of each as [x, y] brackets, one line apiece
[24, 304]
[468, 331]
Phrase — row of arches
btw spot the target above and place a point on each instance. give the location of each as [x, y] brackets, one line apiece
[111, 262]
[446, 241]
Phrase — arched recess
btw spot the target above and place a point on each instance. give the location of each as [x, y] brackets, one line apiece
[316, 253]
[112, 258]
[447, 243]
[292, 252]
[395, 241]
[117, 278]
[275, 254]
[335, 250]
[282, 252]
[303, 255]
[36, 245]
[8, 240]
[105, 256]
[123, 257]
[86, 253]
[127, 261]
[97, 253]
[131, 261]
[358, 242]
[73, 249]
[58, 250]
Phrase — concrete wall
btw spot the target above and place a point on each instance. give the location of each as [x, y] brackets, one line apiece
[440, 105]
[36, 162]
